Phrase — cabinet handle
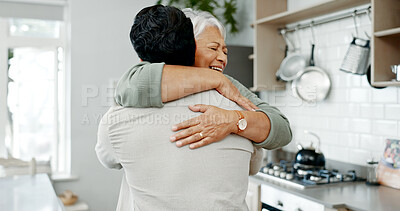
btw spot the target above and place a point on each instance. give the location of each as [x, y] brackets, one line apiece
[299, 209]
[279, 203]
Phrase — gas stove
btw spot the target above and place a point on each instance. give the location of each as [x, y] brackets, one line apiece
[285, 172]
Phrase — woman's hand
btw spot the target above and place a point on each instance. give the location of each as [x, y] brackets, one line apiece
[227, 89]
[212, 126]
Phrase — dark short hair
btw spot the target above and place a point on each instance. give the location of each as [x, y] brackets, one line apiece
[163, 34]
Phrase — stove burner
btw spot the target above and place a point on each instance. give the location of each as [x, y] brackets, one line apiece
[285, 172]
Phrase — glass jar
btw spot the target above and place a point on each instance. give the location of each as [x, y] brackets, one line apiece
[372, 173]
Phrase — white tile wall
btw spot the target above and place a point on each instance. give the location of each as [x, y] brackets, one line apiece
[355, 119]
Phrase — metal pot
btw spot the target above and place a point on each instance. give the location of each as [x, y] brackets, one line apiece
[309, 158]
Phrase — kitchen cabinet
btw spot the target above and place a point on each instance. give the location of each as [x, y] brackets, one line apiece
[385, 42]
[269, 47]
[286, 201]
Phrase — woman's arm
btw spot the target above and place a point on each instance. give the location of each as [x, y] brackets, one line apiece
[267, 126]
[280, 133]
[150, 85]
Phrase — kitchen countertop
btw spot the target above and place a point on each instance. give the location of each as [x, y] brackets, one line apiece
[27, 193]
[354, 196]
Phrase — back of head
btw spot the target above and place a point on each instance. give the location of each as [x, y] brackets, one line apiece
[163, 34]
[202, 19]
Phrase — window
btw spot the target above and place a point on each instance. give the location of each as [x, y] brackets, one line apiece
[35, 107]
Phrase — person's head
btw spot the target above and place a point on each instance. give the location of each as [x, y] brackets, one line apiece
[211, 50]
[163, 34]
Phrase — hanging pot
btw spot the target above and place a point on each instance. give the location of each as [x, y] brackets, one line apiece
[311, 84]
[292, 63]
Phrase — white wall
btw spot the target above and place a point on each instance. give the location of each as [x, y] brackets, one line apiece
[245, 17]
[355, 119]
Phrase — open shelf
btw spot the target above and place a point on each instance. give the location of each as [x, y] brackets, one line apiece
[321, 8]
[389, 32]
[386, 83]
[269, 47]
[385, 42]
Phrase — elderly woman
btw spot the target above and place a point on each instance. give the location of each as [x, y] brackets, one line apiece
[265, 125]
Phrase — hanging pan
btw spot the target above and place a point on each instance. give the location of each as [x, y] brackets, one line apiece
[313, 83]
[292, 64]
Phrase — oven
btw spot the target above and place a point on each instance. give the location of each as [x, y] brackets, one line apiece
[274, 199]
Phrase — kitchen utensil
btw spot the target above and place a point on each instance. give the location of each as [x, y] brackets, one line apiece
[357, 57]
[372, 172]
[291, 64]
[310, 157]
[313, 83]
[396, 70]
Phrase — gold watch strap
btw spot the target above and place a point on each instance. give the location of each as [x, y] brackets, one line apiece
[240, 114]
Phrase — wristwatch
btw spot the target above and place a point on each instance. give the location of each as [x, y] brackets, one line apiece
[242, 123]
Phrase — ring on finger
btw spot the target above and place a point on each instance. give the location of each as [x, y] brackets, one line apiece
[201, 135]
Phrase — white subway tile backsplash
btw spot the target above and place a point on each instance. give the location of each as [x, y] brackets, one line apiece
[364, 82]
[392, 111]
[360, 126]
[358, 95]
[375, 111]
[359, 156]
[372, 142]
[338, 95]
[328, 137]
[339, 124]
[328, 109]
[398, 97]
[348, 110]
[336, 153]
[398, 130]
[356, 119]
[386, 128]
[387, 95]
[351, 140]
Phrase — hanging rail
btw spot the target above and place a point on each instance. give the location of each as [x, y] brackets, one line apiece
[328, 20]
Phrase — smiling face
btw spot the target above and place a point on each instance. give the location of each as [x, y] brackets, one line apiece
[211, 51]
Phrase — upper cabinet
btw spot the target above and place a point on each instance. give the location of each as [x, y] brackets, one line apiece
[386, 41]
[271, 15]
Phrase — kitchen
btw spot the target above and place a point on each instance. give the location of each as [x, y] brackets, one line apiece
[352, 123]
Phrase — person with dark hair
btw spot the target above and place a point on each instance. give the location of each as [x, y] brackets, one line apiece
[157, 174]
[173, 36]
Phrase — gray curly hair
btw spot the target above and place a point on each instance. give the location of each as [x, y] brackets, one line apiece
[201, 19]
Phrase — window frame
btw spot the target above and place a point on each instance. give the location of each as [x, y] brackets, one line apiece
[62, 151]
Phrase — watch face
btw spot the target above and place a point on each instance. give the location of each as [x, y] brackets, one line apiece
[242, 124]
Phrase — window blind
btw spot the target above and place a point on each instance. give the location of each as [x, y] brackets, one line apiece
[32, 9]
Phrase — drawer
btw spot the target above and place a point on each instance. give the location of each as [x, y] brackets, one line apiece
[287, 201]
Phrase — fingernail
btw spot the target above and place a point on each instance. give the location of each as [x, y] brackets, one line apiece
[172, 138]
[253, 109]
[191, 146]
[174, 127]
[179, 144]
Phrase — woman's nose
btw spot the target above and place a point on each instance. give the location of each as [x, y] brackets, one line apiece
[222, 57]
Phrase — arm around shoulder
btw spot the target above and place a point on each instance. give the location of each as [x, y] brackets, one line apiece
[140, 87]
[280, 133]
